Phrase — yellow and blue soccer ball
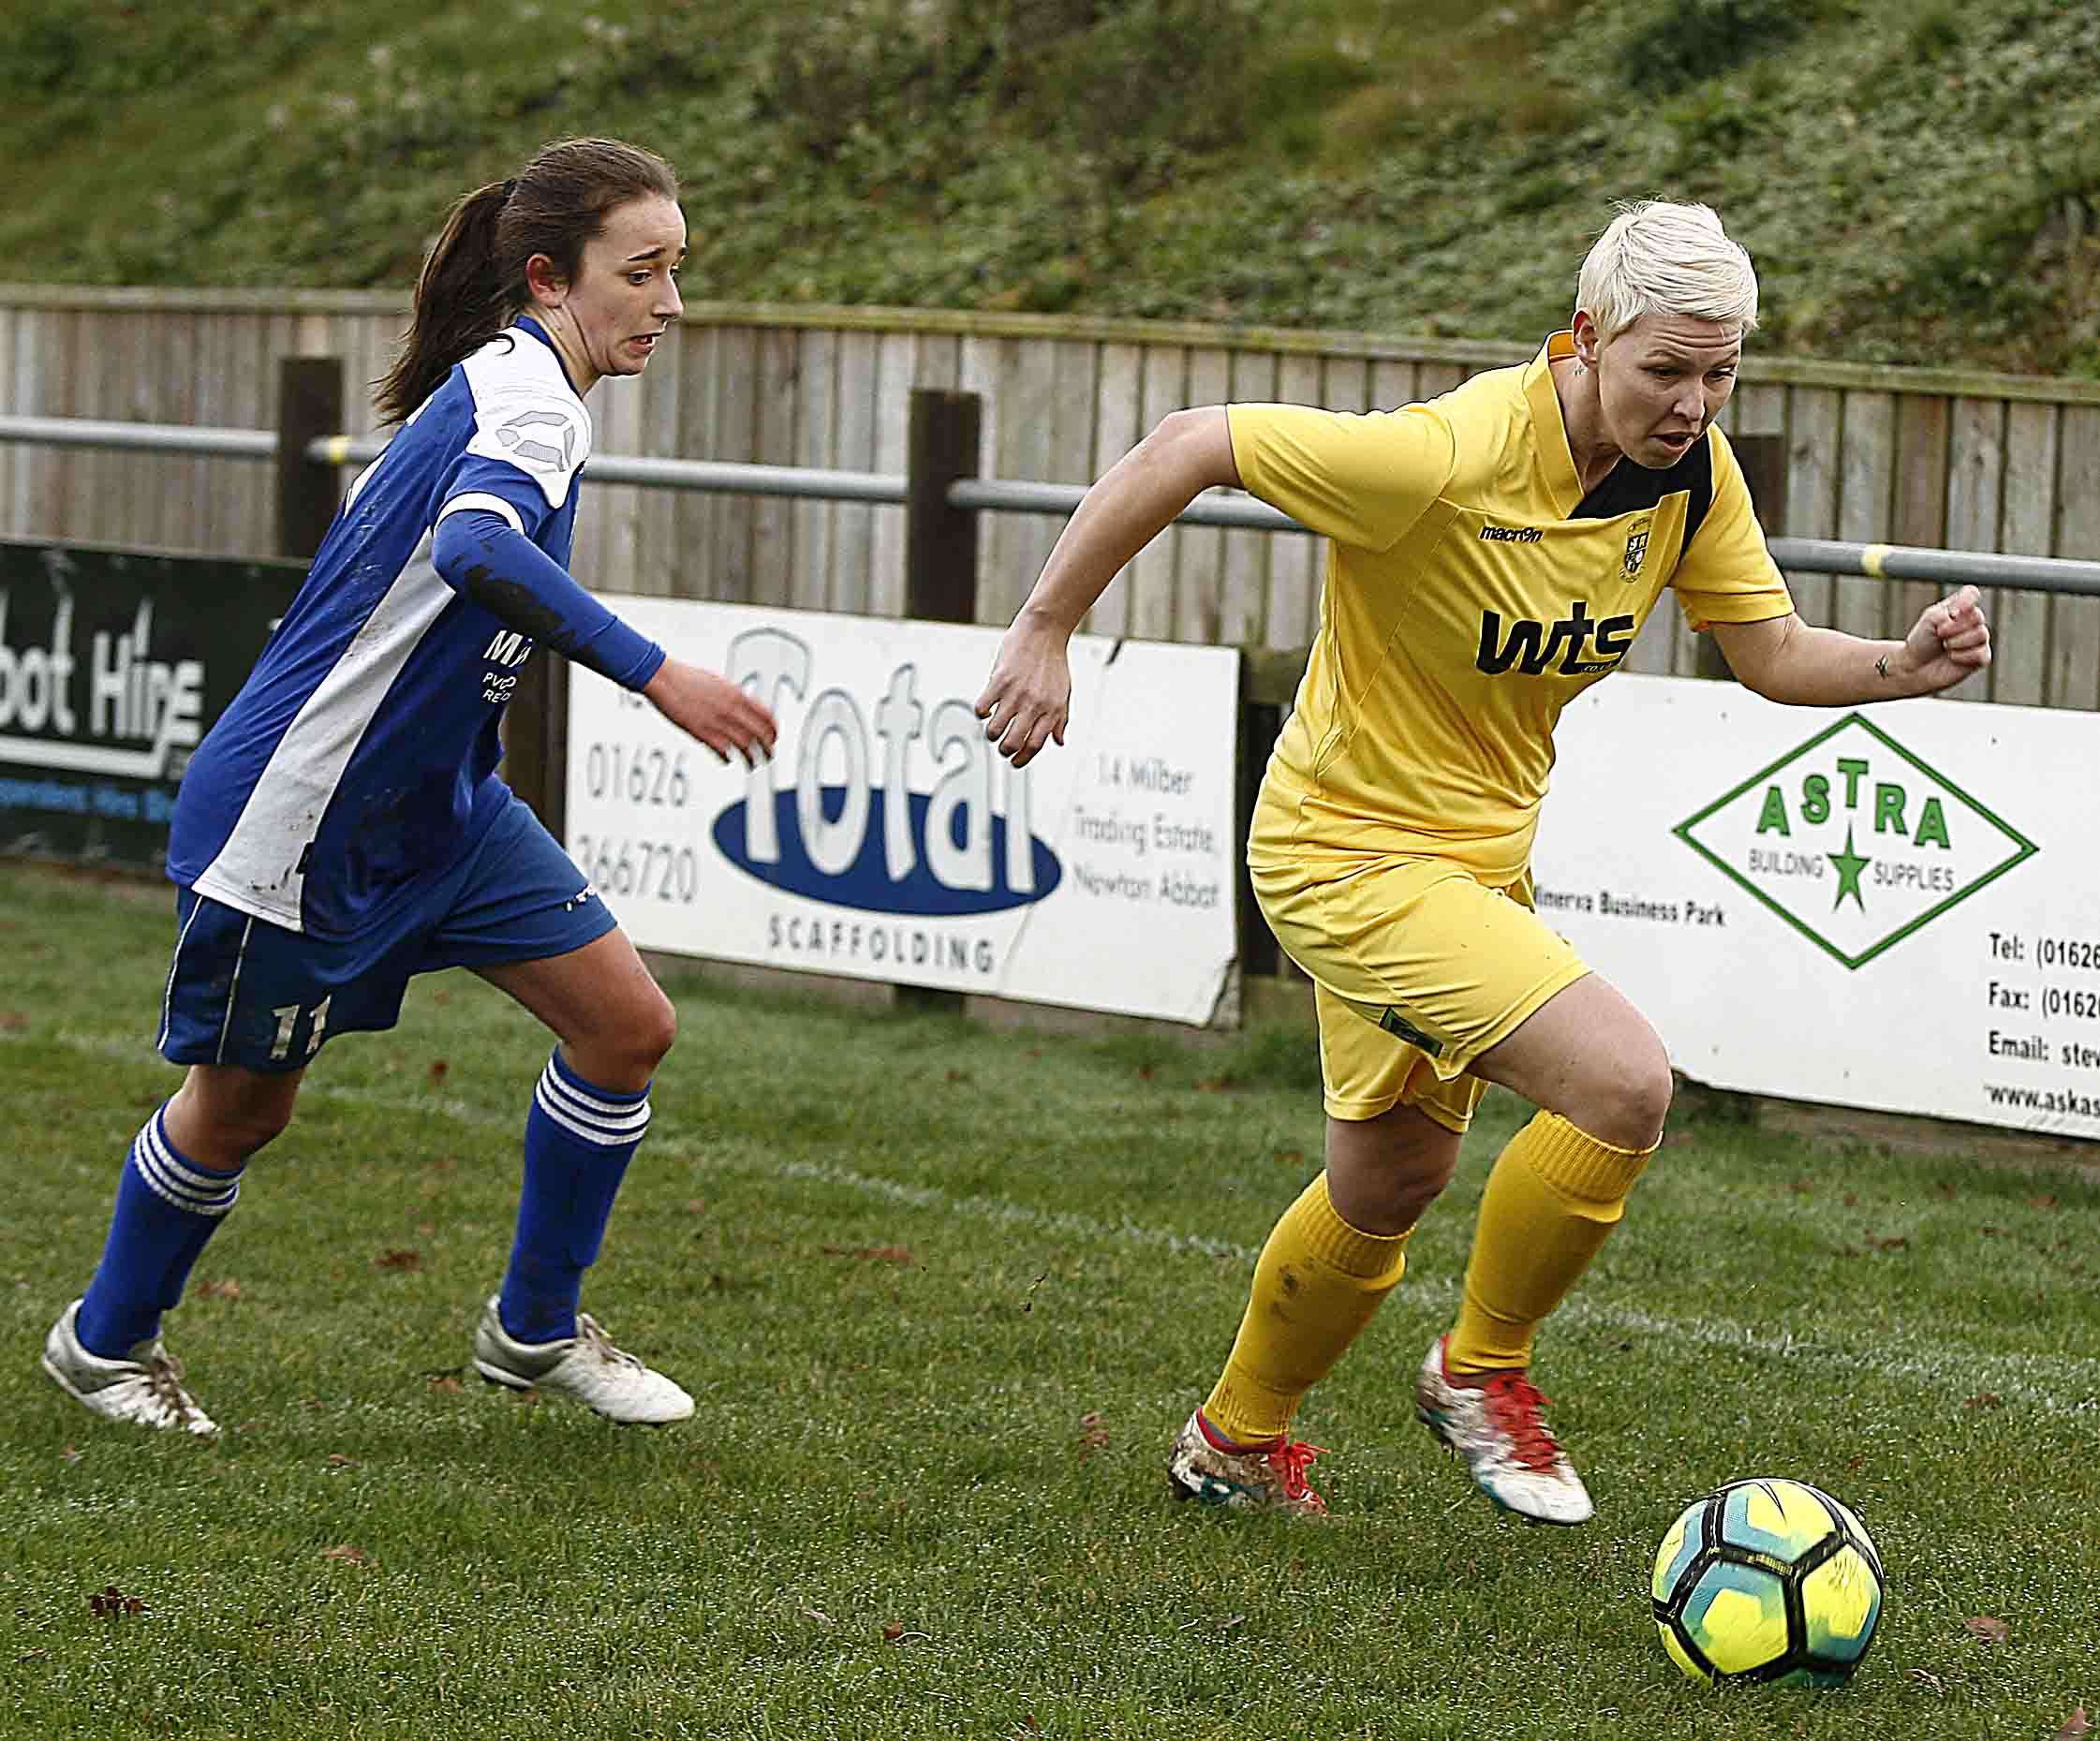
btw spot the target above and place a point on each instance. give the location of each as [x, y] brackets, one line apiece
[1767, 1581]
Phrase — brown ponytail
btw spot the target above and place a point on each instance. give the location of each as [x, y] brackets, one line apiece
[473, 285]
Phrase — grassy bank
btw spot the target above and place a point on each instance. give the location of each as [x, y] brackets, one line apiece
[1918, 182]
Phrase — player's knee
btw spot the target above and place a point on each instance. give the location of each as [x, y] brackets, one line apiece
[659, 1031]
[1633, 1098]
[246, 1130]
[647, 1033]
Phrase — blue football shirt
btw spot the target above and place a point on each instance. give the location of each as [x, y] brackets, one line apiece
[360, 756]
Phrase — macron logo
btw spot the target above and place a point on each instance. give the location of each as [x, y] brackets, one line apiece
[1510, 535]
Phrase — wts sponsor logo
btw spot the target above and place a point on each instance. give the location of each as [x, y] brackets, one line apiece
[1581, 641]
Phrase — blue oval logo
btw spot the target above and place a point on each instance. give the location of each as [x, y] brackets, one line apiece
[865, 883]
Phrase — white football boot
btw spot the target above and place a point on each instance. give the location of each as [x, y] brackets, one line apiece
[1495, 1421]
[144, 1388]
[1272, 1478]
[585, 1367]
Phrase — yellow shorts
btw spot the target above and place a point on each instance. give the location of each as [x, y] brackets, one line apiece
[1417, 969]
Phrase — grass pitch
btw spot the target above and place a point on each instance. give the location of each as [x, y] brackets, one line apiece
[944, 1293]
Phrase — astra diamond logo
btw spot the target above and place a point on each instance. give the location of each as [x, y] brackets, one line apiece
[1855, 841]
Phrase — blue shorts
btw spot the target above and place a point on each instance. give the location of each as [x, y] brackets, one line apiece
[246, 991]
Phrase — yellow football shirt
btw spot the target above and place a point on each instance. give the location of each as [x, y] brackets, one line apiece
[1472, 591]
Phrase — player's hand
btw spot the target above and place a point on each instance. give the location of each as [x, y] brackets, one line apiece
[1029, 697]
[709, 707]
[1950, 641]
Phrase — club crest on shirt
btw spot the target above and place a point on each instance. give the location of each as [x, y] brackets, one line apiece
[1636, 551]
[518, 438]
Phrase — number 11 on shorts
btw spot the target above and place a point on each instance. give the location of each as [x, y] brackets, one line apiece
[287, 1023]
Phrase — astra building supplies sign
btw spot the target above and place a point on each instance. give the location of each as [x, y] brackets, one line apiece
[112, 664]
[887, 839]
[1887, 907]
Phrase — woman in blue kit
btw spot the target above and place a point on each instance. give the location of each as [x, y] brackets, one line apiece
[342, 826]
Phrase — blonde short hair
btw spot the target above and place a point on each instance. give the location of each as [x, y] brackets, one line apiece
[1659, 258]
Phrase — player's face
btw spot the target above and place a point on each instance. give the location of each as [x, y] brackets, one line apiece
[1662, 381]
[625, 294]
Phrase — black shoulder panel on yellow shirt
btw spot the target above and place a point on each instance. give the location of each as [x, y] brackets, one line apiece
[1629, 487]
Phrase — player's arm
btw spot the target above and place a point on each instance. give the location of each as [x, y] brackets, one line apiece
[481, 554]
[1029, 697]
[479, 549]
[1784, 659]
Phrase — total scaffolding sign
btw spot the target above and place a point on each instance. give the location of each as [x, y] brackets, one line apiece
[112, 666]
[887, 840]
[1885, 908]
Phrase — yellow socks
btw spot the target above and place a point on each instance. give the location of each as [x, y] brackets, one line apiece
[1552, 1200]
[1316, 1286]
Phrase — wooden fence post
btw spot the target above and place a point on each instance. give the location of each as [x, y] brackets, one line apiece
[940, 541]
[939, 552]
[309, 406]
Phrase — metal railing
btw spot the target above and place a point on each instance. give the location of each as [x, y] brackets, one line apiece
[969, 494]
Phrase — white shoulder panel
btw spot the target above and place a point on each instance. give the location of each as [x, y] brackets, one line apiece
[526, 414]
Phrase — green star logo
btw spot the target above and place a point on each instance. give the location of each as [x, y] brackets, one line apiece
[1848, 865]
[1855, 841]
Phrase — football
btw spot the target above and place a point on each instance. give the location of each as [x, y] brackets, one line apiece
[1767, 1581]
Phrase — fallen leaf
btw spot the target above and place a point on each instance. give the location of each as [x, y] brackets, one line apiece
[110, 1600]
[696, 1205]
[956, 1075]
[344, 1551]
[2075, 1725]
[406, 1262]
[1924, 1679]
[1290, 1156]
[1984, 1399]
[893, 1631]
[1990, 1629]
[72, 1454]
[2041, 1202]
[438, 1067]
[1093, 1434]
[1850, 1200]
[218, 1287]
[444, 1378]
[1946, 1191]
[817, 1613]
[12, 1020]
[336, 1460]
[1801, 1187]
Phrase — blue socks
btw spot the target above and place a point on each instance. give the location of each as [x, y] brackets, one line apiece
[578, 1139]
[167, 1208]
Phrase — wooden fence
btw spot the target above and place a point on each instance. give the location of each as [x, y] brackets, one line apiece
[1906, 456]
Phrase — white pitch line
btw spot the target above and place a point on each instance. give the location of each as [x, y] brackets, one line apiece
[1947, 1368]
[2065, 1385]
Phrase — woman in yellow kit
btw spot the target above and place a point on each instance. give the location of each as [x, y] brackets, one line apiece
[1493, 552]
